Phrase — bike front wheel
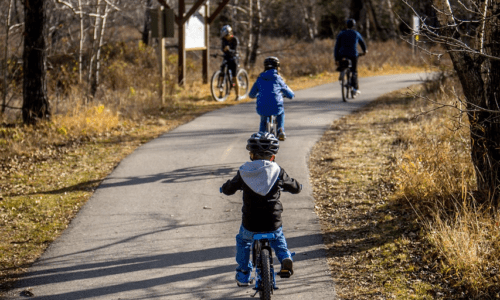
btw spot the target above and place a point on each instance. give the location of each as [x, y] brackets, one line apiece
[266, 288]
[242, 78]
[345, 84]
[219, 86]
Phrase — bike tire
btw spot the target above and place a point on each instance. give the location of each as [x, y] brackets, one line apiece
[345, 85]
[219, 86]
[267, 278]
[271, 125]
[242, 78]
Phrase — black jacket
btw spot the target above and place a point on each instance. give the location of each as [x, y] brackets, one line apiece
[232, 53]
[262, 213]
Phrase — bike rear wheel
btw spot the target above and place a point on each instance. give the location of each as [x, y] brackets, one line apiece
[266, 288]
[219, 86]
[346, 84]
[271, 125]
[242, 78]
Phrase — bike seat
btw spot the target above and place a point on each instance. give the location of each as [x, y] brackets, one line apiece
[264, 236]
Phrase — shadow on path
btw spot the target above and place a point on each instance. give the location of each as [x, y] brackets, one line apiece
[179, 261]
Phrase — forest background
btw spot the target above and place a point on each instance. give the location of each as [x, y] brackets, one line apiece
[101, 101]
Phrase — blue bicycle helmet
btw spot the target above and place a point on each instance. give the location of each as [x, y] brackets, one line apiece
[263, 144]
[350, 23]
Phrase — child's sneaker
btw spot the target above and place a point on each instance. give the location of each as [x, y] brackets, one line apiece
[286, 268]
[243, 279]
[281, 134]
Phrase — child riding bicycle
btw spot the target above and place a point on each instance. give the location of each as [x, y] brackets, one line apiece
[269, 89]
[262, 181]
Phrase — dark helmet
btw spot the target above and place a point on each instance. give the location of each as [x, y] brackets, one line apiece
[350, 23]
[263, 144]
[271, 62]
[225, 30]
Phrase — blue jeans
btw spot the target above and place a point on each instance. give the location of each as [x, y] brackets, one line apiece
[280, 122]
[244, 241]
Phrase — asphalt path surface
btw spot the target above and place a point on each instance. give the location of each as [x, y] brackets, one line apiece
[158, 228]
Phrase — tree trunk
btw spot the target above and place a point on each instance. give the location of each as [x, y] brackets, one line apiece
[482, 94]
[249, 32]
[82, 38]
[380, 32]
[95, 47]
[35, 102]
[258, 29]
[309, 19]
[393, 33]
[147, 23]
[6, 56]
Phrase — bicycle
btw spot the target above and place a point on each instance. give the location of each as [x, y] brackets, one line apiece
[345, 78]
[221, 83]
[262, 259]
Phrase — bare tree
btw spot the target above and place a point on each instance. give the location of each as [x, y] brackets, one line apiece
[147, 22]
[36, 105]
[475, 54]
[6, 55]
[257, 31]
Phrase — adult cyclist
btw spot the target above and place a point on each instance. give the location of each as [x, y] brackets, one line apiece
[230, 50]
[346, 46]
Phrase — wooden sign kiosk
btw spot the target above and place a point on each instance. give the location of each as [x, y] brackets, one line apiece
[181, 19]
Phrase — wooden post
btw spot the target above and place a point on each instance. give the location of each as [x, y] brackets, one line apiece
[206, 52]
[182, 42]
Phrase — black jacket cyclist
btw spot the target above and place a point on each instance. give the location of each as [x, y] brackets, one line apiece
[346, 46]
[230, 50]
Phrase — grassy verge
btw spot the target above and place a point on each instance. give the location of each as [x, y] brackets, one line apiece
[391, 185]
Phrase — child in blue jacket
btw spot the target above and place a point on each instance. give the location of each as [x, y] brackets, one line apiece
[269, 89]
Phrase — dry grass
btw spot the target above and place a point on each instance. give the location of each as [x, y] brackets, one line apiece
[393, 188]
[435, 174]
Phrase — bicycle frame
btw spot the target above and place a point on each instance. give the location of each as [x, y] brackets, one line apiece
[226, 73]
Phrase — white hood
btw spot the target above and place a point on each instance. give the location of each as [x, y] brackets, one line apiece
[260, 175]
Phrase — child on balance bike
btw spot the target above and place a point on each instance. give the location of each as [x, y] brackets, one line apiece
[269, 89]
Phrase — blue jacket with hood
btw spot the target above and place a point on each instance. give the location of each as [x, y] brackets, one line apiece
[269, 90]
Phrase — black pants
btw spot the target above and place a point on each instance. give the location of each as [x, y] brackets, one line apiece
[354, 71]
[232, 64]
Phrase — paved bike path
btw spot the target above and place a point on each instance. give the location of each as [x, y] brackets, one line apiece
[158, 228]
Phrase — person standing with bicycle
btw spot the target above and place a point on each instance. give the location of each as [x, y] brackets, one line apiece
[346, 46]
[269, 89]
[262, 181]
[231, 56]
